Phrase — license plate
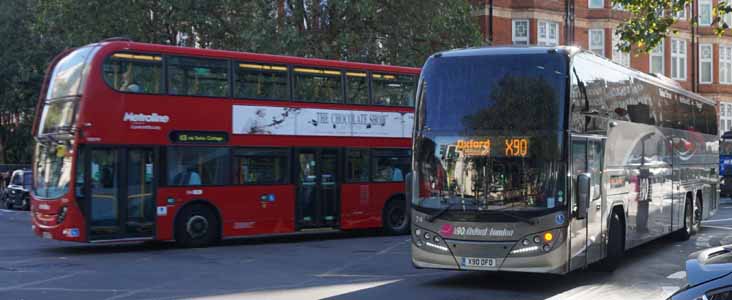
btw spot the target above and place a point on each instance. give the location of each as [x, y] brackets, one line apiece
[479, 262]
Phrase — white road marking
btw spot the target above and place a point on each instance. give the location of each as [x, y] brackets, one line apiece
[13, 287]
[315, 292]
[720, 220]
[677, 275]
[717, 227]
[668, 290]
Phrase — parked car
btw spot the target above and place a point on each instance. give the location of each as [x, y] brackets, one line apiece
[709, 275]
[17, 192]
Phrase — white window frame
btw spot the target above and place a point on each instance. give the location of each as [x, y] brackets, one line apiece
[705, 21]
[709, 60]
[679, 59]
[725, 64]
[590, 34]
[520, 40]
[682, 14]
[589, 4]
[619, 57]
[660, 50]
[546, 39]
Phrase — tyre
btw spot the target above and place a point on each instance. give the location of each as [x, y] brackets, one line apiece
[196, 226]
[615, 245]
[395, 217]
[7, 203]
[698, 215]
[25, 204]
[688, 230]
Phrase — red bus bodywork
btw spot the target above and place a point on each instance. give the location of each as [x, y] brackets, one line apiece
[99, 121]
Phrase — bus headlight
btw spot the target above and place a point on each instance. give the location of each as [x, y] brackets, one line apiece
[429, 241]
[61, 214]
[538, 243]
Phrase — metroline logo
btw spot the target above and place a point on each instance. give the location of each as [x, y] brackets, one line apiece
[145, 118]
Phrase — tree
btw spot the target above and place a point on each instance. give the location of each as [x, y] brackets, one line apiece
[374, 31]
[652, 20]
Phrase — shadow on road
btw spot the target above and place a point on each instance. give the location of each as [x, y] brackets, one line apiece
[82, 249]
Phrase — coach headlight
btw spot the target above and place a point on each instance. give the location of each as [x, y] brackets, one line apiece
[537, 243]
[429, 241]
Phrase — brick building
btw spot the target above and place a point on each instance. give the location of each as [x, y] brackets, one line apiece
[706, 60]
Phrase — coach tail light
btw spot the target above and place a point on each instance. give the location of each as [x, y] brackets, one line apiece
[538, 243]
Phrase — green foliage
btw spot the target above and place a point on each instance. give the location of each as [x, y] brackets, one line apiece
[652, 20]
[374, 31]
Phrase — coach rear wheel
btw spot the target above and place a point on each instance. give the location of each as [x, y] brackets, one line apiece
[395, 217]
[615, 244]
[196, 226]
[688, 230]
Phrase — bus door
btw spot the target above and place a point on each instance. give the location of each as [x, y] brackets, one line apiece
[119, 196]
[317, 188]
[586, 242]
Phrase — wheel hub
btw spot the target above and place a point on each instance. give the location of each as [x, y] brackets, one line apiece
[197, 226]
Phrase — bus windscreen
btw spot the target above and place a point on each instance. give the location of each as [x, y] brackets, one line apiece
[489, 135]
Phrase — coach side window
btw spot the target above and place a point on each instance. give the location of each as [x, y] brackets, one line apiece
[318, 85]
[189, 166]
[261, 81]
[134, 73]
[393, 90]
[198, 77]
[390, 165]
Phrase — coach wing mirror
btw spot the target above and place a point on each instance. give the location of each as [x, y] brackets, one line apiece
[583, 195]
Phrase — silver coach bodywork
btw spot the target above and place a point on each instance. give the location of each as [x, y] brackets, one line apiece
[648, 173]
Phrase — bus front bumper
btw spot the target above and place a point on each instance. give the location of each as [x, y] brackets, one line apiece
[553, 262]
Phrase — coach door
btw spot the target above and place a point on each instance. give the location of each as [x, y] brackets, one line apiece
[586, 243]
[120, 195]
[317, 180]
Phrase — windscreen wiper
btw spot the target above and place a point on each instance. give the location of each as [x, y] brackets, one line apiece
[436, 215]
[517, 217]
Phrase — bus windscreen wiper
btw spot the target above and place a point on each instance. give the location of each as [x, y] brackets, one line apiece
[517, 217]
[436, 215]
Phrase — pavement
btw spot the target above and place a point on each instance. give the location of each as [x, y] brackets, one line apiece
[354, 265]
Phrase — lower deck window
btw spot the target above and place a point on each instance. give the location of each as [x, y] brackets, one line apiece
[197, 166]
[261, 166]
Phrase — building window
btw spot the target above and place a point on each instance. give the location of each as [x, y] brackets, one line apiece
[548, 33]
[705, 63]
[596, 4]
[620, 57]
[725, 64]
[657, 58]
[721, 109]
[520, 32]
[681, 15]
[597, 41]
[705, 12]
[678, 59]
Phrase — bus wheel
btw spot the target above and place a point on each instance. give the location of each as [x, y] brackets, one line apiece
[615, 244]
[688, 230]
[395, 217]
[196, 226]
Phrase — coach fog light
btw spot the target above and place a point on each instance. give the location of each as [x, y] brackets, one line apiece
[543, 242]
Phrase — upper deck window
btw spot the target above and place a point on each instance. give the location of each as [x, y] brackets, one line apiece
[135, 73]
[357, 88]
[262, 81]
[318, 85]
[198, 77]
[68, 76]
[393, 90]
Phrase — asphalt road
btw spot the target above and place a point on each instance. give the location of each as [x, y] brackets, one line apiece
[362, 265]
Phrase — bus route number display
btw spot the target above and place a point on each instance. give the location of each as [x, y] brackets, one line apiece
[512, 147]
[199, 137]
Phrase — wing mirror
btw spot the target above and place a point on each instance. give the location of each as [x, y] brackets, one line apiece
[584, 181]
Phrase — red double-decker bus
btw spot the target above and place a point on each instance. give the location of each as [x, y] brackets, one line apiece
[140, 141]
